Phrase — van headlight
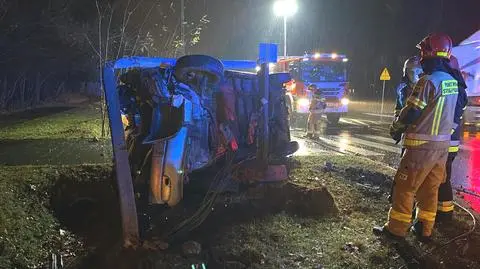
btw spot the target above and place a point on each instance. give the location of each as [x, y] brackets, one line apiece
[345, 101]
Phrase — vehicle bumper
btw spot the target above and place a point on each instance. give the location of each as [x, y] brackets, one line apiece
[471, 116]
[336, 109]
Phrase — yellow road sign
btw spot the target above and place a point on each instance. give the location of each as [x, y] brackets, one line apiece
[385, 75]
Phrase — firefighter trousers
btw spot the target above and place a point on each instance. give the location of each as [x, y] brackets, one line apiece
[312, 123]
[419, 175]
[445, 192]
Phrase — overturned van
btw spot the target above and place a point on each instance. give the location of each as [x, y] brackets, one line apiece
[172, 120]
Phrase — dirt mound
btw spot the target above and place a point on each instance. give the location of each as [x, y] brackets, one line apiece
[299, 200]
[309, 202]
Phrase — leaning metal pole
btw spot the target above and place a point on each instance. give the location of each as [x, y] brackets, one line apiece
[126, 195]
[264, 79]
[285, 37]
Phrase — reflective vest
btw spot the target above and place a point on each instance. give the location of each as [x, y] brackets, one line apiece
[436, 95]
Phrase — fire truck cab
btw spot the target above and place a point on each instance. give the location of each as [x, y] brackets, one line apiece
[328, 72]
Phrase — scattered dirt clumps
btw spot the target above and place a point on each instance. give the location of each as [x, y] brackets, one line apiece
[364, 176]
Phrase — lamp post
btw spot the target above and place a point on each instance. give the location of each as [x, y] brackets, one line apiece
[285, 8]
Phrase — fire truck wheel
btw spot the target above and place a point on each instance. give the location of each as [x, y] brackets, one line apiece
[333, 118]
[199, 64]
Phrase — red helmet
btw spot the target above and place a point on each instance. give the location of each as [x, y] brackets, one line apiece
[436, 45]
[454, 62]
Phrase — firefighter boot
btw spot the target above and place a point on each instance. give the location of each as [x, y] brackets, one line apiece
[444, 217]
[445, 194]
[383, 231]
[417, 229]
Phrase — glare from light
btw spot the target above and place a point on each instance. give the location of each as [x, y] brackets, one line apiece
[334, 56]
[304, 102]
[343, 144]
[302, 148]
[285, 8]
[317, 55]
[257, 68]
[345, 101]
[305, 59]
[345, 60]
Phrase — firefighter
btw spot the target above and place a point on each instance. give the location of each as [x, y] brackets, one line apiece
[317, 106]
[445, 193]
[427, 121]
[411, 73]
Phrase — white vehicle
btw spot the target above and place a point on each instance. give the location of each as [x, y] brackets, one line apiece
[468, 55]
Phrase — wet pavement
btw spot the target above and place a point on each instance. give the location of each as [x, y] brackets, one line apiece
[366, 134]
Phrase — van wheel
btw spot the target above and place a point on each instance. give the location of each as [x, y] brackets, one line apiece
[188, 67]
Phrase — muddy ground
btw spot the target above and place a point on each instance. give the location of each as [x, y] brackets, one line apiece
[321, 218]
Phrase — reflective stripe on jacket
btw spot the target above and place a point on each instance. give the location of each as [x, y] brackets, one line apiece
[435, 96]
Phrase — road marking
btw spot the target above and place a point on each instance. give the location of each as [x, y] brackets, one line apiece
[379, 138]
[344, 146]
[352, 122]
[380, 115]
[375, 145]
[361, 122]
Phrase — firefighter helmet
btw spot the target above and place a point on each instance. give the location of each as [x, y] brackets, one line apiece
[412, 69]
[312, 87]
[436, 45]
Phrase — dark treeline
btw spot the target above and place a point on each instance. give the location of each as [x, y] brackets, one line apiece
[49, 47]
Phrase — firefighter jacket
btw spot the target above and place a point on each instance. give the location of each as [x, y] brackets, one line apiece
[318, 104]
[462, 101]
[430, 110]
[403, 90]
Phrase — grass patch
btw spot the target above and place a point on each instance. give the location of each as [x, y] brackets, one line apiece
[82, 122]
[342, 241]
[29, 230]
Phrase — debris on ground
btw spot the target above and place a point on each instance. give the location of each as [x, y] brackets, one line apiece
[191, 248]
[328, 167]
[367, 176]
[155, 244]
[350, 247]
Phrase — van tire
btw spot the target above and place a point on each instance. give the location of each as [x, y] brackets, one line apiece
[207, 65]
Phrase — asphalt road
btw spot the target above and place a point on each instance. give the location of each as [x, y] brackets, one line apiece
[366, 134]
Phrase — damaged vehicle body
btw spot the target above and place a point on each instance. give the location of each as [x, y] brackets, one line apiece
[175, 121]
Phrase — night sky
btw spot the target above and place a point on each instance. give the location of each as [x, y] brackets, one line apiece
[373, 33]
[60, 40]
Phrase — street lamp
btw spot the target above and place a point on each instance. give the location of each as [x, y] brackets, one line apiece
[285, 8]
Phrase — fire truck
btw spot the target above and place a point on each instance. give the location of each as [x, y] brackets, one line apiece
[328, 72]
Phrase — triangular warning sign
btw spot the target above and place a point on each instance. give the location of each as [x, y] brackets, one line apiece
[385, 75]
